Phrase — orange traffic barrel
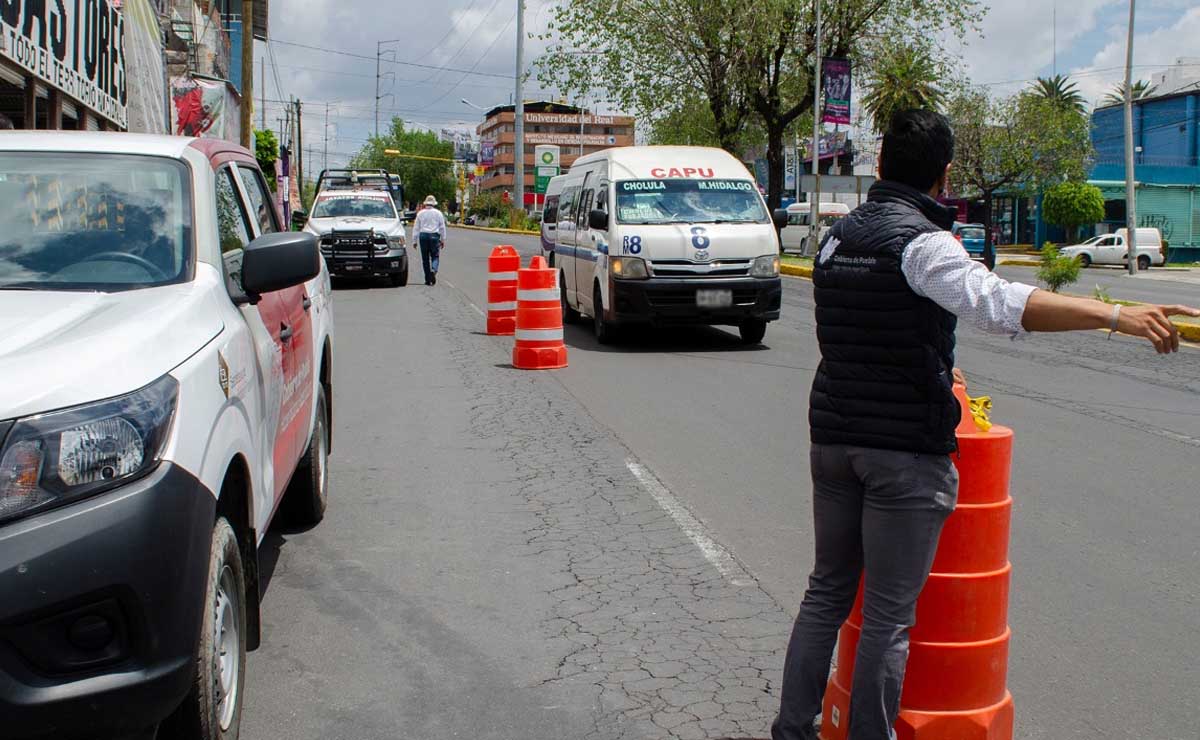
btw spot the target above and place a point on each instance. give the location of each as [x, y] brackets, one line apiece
[503, 264]
[539, 330]
[955, 686]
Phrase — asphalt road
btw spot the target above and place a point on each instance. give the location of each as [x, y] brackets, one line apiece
[1150, 286]
[615, 550]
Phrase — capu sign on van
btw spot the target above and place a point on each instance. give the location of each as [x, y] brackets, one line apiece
[76, 46]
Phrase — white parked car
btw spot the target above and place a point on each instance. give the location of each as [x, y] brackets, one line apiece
[166, 359]
[1111, 249]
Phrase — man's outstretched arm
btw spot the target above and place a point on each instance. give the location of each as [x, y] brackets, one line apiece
[1046, 311]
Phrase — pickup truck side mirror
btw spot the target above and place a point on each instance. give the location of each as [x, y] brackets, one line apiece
[277, 261]
[598, 219]
[780, 217]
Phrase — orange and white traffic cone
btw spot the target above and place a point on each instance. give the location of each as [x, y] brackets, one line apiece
[539, 319]
[503, 264]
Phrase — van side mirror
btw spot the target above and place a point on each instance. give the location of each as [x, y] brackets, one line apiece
[277, 261]
[780, 217]
[598, 219]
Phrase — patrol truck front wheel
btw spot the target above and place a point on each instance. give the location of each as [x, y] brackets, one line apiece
[752, 331]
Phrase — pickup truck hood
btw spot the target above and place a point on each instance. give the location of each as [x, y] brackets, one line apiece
[678, 242]
[62, 348]
[389, 226]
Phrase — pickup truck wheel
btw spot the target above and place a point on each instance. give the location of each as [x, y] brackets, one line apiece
[308, 493]
[1085, 261]
[1143, 262]
[752, 331]
[213, 707]
[400, 279]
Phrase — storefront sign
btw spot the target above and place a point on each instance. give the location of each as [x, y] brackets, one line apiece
[76, 46]
[569, 118]
[199, 107]
[571, 139]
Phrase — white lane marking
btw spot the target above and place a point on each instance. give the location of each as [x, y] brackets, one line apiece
[470, 303]
[713, 552]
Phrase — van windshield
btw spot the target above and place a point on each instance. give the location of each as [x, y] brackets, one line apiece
[93, 222]
[689, 202]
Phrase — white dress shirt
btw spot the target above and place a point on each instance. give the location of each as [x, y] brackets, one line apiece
[429, 221]
[938, 268]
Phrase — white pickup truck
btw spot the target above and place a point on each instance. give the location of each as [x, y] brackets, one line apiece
[166, 356]
[1111, 249]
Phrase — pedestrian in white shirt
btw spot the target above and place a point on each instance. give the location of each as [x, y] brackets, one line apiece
[890, 283]
[429, 235]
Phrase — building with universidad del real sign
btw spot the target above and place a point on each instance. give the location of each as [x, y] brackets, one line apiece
[546, 123]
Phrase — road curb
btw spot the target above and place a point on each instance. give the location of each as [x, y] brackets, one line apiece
[796, 271]
[1021, 263]
[496, 230]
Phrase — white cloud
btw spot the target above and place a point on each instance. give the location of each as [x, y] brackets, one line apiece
[1152, 51]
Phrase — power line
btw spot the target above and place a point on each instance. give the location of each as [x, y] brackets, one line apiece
[390, 61]
[480, 60]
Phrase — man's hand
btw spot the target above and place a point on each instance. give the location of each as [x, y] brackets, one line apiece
[959, 377]
[1152, 322]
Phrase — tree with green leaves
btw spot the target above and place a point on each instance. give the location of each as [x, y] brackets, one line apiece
[1141, 89]
[1015, 146]
[903, 75]
[433, 175]
[1059, 90]
[266, 151]
[1073, 204]
[742, 57]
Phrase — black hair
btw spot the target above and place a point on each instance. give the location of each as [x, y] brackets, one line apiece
[916, 148]
[5, 122]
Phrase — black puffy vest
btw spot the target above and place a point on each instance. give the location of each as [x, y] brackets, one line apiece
[886, 353]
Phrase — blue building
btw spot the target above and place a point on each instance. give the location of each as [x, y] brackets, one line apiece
[1166, 135]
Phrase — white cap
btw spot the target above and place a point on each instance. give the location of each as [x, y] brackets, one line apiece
[431, 201]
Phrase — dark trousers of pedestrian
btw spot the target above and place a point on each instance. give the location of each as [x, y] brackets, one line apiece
[431, 248]
[878, 513]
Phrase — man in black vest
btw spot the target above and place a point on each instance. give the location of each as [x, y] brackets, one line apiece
[890, 283]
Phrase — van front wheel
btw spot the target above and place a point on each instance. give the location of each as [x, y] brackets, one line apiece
[752, 331]
[604, 330]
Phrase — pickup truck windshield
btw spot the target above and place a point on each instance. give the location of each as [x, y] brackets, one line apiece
[343, 205]
[689, 201]
[93, 221]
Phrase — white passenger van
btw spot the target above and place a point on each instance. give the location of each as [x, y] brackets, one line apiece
[666, 235]
[795, 239]
[550, 216]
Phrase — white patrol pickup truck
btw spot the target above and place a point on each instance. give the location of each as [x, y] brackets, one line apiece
[166, 359]
[666, 235]
[361, 232]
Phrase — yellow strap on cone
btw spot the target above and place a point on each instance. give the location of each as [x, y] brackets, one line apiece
[980, 408]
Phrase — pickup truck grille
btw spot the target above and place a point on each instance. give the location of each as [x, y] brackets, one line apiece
[353, 244]
[701, 270]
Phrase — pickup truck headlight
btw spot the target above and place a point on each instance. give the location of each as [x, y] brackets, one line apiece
[55, 458]
[396, 242]
[628, 268]
[766, 266]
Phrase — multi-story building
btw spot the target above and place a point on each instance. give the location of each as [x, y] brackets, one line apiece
[575, 130]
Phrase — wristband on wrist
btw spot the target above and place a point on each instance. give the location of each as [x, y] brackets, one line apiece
[1116, 318]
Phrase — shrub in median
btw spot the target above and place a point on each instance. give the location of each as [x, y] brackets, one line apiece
[1056, 270]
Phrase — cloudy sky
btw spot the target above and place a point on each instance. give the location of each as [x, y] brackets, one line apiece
[439, 53]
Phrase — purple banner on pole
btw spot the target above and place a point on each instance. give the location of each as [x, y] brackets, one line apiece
[487, 152]
[835, 82]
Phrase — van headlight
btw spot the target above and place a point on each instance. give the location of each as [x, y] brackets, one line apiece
[628, 268]
[55, 458]
[766, 266]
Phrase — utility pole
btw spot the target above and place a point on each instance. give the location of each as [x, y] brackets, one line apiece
[378, 53]
[248, 74]
[815, 207]
[1130, 180]
[300, 152]
[263, 94]
[325, 164]
[519, 143]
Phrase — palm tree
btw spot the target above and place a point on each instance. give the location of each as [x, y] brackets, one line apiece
[1141, 89]
[1060, 90]
[905, 76]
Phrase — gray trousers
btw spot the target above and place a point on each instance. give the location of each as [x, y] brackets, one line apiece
[880, 512]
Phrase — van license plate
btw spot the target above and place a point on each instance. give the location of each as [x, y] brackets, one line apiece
[352, 267]
[714, 298]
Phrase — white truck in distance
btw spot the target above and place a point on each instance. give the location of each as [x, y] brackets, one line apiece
[1111, 249]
